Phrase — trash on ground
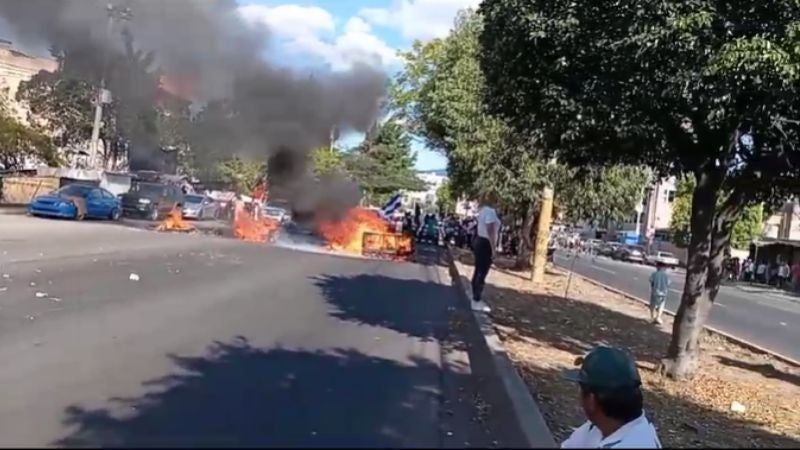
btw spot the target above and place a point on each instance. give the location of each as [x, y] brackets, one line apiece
[738, 407]
[134, 277]
[41, 294]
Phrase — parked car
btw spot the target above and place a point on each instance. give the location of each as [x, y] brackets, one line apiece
[151, 200]
[279, 214]
[614, 250]
[199, 207]
[633, 253]
[65, 202]
[665, 258]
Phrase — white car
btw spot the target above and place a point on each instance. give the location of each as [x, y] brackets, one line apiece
[665, 258]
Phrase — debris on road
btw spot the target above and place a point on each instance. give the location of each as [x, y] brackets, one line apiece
[134, 277]
[3, 289]
[6, 276]
[55, 299]
[32, 284]
[175, 222]
[41, 294]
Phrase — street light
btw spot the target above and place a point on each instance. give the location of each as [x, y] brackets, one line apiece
[103, 94]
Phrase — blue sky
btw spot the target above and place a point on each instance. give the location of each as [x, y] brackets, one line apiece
[338, 33]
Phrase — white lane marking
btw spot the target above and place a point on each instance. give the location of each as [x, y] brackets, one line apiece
[603, 269]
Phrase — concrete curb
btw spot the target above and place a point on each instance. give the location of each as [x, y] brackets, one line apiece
[13, 209]
[728, 336]
[530, 418]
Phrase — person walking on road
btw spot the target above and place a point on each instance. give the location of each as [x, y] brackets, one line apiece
[487, 228]
[659, 288]
[611, 397]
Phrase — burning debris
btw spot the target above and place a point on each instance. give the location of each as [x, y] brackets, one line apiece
[363, 232]
[248, 226]
[174, 222]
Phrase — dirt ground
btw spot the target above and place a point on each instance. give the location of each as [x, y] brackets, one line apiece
[544, 332]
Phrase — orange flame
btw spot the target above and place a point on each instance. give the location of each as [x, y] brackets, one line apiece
[174, 222]
[248, 228]
[363, 231]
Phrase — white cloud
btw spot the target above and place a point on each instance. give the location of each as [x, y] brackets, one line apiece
[312, 31]
[418, 19]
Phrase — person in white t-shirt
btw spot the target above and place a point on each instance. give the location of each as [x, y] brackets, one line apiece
[611, 397]
[488, 228]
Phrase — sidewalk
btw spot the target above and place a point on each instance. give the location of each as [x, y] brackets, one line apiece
[544, 330]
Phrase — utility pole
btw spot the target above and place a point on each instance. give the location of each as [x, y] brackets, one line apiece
[103, 95]
[539, 256]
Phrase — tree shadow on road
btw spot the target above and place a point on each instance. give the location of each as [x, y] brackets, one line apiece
[238, 395]
[546, 332]
[412, 307]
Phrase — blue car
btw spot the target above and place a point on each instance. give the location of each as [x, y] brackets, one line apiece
[100, 203]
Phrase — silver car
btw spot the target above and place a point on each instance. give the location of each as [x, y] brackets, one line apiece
[199, 207]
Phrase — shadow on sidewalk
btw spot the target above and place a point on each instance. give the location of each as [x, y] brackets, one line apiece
[240, 395]
[532, 323]
[764, 369]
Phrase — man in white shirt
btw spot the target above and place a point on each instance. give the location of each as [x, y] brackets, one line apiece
[611, 397]
[488, 227]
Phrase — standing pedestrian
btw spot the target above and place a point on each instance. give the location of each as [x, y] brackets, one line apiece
[761, 272]
[487, 228]
[659, 289]
[748, 270]
[784, 271]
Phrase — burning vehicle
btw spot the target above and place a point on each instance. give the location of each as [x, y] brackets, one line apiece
[364, 232]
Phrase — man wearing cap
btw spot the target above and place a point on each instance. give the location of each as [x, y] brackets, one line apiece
[611, 396]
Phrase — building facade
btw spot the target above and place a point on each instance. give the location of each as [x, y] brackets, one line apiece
[16, 67]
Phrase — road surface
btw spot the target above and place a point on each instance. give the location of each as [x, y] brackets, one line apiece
[772, 322]
[112, 336]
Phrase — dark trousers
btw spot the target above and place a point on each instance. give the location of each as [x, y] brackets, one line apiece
[482, 249]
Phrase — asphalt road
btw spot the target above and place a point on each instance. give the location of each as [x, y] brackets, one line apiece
[217, 342]
[769, 321]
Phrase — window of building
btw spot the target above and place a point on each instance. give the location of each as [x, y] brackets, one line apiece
[670, 196]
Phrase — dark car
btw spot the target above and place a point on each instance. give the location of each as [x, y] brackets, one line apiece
[151, 200]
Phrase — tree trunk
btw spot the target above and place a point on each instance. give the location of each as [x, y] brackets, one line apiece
[683, 351]
[524, 238]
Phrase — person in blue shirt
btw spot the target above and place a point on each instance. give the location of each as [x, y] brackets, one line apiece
[659, 288]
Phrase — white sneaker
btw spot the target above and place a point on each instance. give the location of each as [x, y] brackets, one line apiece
[480, 306]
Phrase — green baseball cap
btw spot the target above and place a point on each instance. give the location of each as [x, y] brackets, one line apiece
[607, 368]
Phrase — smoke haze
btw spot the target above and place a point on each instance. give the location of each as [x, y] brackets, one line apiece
[276, 109]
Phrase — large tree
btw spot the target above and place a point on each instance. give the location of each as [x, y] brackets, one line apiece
[440, 92]
[21, 144]
[384, 163]
[707, 88]
[748, 224]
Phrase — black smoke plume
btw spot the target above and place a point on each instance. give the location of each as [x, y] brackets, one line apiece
[274, 109]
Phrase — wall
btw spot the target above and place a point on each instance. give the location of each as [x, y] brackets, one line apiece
[20, 190]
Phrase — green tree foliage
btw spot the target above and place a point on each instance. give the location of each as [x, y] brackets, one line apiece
[602, 194]
[706, 88]
[243, 175]
[20, 144]
[326, 161]
[747, 226]
[384, 163]
[446, 198]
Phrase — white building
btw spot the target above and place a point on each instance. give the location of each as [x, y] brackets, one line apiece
[16, 67]
[653, 217]
[427, 198]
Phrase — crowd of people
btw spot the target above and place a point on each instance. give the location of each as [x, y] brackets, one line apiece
[779, 273]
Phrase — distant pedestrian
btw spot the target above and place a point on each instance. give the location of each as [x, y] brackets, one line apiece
[487, 229]
[761, 272]
[659, 289]
[784, 272]
[611, 398]
[748, 270]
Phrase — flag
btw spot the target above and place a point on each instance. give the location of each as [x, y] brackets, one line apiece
[392, 205]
